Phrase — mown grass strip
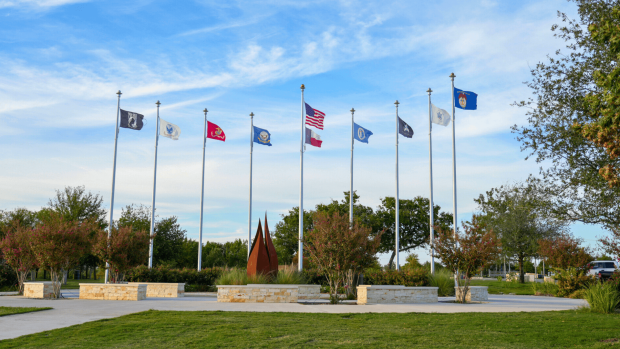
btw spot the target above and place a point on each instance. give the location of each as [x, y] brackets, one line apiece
[4, 311]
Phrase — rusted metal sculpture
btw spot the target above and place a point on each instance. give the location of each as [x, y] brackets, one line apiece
[271, 251]
[259, 258]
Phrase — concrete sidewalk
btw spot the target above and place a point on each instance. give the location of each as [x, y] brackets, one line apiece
[72, 311]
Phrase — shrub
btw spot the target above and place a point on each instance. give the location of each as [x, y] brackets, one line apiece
[204, 277]
[571, 280]
[8, 278]
[18, 253]
[290, 276]
[411, 277]
[602, 297]
[123, 249]
[579, 294]
[443, 280]
[314, 277]
[544, 288]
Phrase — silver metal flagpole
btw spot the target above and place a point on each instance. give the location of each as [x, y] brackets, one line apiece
[118, 110]
[351, 191]
[430, 162]
[452, 76]
[250, 209]
[154, 182]
[202, 191]
[300, 253]
[397, 223]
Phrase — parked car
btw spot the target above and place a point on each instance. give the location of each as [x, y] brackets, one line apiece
[602, 269]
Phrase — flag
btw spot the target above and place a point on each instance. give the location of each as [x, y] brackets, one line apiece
[215, 132]
[131, 120]
[404, 129]
[313, 138]
[169, 130]
[440, 116]
[262, 136]
[314, 117]
[466, 100]
[361, 134]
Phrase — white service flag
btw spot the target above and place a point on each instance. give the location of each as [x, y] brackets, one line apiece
[169, 130]
[440, 116]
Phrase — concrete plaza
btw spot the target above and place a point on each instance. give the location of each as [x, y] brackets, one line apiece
[73, 311]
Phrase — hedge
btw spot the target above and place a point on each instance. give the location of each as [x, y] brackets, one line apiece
[204, 277]
[411, 277]
[8, 277]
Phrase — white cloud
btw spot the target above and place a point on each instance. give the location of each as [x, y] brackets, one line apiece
[40, 4]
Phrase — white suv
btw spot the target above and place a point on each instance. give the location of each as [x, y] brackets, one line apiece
[603, 269]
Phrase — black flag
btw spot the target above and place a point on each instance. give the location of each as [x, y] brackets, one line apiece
[131, 120]
[404, 129]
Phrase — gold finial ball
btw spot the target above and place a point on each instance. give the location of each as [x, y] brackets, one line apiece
[303, 87]
[452, 76]
[429, 90]
[205, 110]
[158, 103]
[119, 92]
[252, 114]
[396, 102]
[352, 110]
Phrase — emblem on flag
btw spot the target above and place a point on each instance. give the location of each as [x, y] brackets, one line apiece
[215, 132]
[404, 128]
[361, 134]
[467, 100]
[169, 130]
[131, 120]
[262, 136]
[314, 117]
[440, 116]
[313, 138]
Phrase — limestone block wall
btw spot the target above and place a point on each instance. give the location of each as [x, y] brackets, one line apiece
[266, 293]
[474, 293]
[116, 292]
[39, 289]
[161, 289]
[393, 294]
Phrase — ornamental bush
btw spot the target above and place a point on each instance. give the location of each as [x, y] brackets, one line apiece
[409, 277]
[8, 278]
[18, 253]
[123, 249]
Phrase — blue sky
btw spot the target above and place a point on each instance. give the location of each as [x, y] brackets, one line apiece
[62, 61]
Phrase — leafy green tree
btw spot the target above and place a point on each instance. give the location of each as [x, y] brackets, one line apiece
[560, 86]
[414, 223]
[518, 215]
[75, 204]
[286, 234]
[20, 216]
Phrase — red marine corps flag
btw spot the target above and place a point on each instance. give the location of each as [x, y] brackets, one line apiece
[215, 132]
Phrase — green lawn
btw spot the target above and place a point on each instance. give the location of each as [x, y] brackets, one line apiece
[497, 287]
[4, 311]
[169, 329]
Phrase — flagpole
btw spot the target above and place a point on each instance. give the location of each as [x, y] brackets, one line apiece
[431, 208]
[351, 191]
[250, 209]
[118, 109]
[454, 220]
[300, 253]
[397, 223]
[202, 191]
[154, 182]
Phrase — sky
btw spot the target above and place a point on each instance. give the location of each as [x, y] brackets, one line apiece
[62, 62]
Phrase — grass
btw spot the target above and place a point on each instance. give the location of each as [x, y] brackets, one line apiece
[238, 276]
[602, 297]
[169, 329]
[4, 311]
[443, 280]
[505, 287]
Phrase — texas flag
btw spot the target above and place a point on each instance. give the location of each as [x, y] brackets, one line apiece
[313, 138]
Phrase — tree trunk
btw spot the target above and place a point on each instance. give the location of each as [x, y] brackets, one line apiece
[392, 260]
[521, 275]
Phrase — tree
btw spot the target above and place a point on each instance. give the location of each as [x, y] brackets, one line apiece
[286, 234]
[604, 103]
[335, 248]
[58, 244]
[414, 222]
[564, 251]
[20, 216]
[560, 86]
[518, 214]
[74, 204]
[467, 252]
[611, 244]
[18, 252]
[123, 249]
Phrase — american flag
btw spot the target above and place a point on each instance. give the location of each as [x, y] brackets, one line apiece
[314, 117]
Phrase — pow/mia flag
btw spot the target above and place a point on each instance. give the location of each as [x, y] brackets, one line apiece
[404, 129]
[131, 120]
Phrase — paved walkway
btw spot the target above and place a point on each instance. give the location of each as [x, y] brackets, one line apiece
[72, 311]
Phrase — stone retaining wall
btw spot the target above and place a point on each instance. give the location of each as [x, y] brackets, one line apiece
[115, 292]
[39, 289]
[474, 293]
[161, 289]
[266, 293]
[391, 294]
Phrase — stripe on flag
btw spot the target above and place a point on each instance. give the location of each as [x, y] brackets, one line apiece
[314, 117]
